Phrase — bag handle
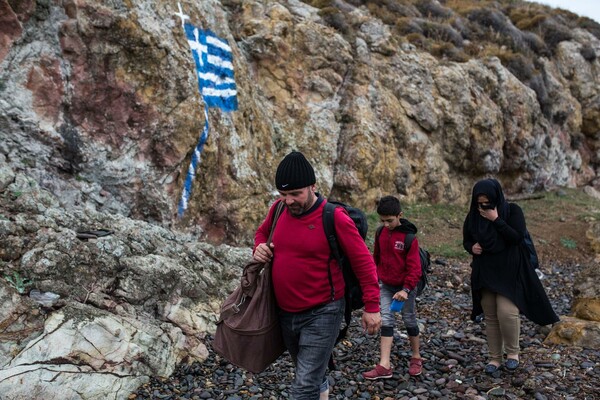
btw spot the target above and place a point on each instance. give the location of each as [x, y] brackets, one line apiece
[276, 215]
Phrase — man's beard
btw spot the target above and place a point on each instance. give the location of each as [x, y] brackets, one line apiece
[299, 208]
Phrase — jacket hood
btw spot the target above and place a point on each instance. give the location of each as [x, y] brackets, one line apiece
[406, 226]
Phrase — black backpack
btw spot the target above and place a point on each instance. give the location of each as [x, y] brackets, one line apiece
[423, 255]
[353, 292]
[533, 257]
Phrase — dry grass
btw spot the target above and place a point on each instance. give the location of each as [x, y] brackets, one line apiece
[557, 220]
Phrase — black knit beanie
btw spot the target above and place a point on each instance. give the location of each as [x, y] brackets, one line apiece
[294, 172]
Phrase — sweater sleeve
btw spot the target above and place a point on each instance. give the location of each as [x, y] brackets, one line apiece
[468, 240]
[355, 248]
[376, 248]
[413, 266]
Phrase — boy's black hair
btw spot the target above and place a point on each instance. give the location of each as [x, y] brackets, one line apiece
[389, 205]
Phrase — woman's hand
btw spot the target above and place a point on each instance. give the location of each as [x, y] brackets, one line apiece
[476, 249]
[491, 215]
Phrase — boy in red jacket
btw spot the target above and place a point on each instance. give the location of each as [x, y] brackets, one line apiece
[399, 271]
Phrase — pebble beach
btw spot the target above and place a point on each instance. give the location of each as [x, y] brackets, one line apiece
[452, 346]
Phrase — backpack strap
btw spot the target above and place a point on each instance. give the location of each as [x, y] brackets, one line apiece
[408, 239]
[329, 228]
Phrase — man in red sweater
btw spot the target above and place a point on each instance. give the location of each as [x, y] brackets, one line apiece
[310, 311]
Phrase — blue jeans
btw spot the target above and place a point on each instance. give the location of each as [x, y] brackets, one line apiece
[409, 316]
[309, 337]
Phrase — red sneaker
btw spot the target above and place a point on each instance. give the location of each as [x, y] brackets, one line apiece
[415, 366]
[378, 372]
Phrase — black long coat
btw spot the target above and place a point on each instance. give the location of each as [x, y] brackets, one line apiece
[506, 269]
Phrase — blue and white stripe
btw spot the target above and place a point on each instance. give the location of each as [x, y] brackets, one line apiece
[214, 66]
[191, 173]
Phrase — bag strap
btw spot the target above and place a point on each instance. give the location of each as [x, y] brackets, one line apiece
[329, 228]
[276, 215]
[408, 239]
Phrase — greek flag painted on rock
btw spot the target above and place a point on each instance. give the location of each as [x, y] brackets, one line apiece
[214, 66]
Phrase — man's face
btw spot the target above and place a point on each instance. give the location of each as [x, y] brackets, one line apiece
[299, 200]
[390, 221]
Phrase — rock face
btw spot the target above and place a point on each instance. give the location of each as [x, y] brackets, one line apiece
[99, 104]
[107, 313]
[582, 328]
[99, 113]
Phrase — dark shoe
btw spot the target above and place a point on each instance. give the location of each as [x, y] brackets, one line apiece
[511, 364]
[490, 369]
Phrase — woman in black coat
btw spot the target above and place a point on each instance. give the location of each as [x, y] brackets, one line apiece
[503, 282]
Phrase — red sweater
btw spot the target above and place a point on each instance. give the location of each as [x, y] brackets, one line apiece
[301, 258]
[394, 266]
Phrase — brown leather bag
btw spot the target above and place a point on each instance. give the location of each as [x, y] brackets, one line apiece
[248, 331]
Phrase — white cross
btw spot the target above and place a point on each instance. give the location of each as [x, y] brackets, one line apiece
[181, 15]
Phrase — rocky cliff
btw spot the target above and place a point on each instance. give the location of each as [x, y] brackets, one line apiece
[100, 111]
[99, 104]
[84, 316]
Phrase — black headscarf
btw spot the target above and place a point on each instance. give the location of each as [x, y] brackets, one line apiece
[482, 229]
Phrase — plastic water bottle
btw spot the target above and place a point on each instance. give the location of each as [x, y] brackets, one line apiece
[540, 274]
[396, 306]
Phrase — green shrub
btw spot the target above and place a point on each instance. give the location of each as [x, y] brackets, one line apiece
[19, 283]
[402, 10]
[335, 19]
[382, 13]
[518, 65]
[449, 52]
[441, 32]
[568, 243]
[433, 9]
[535, 44]
[538, 85]
[590, 25]
[418, 40]
[553, 34]
[531, 23]
[406, 26]
[321, 3]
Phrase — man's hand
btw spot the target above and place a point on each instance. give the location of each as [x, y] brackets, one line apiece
[476, 249]
[371, 322]
[263, 253]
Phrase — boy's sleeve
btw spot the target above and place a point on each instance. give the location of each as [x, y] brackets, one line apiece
[361, 260]
[413, 266]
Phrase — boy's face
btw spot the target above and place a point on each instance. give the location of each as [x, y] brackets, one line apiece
[390, 221]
